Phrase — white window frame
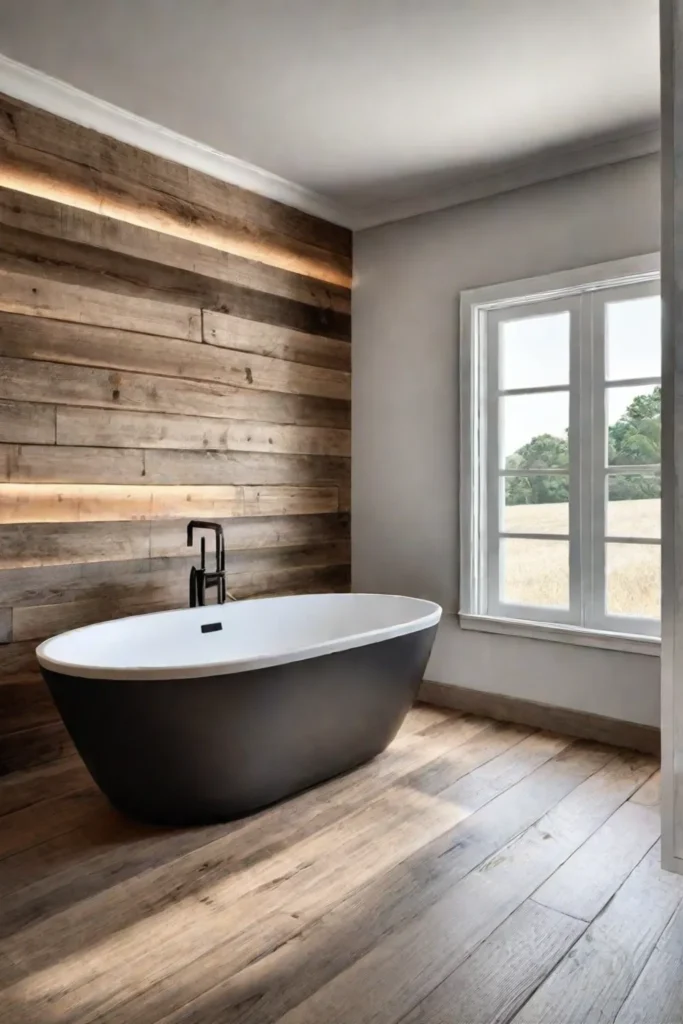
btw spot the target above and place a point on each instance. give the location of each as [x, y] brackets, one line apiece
[584, 292]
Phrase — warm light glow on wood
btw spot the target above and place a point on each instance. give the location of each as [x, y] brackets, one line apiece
[70, 503]
[225, 234]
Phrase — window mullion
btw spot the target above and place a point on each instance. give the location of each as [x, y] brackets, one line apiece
[597, 455]
[576, 434]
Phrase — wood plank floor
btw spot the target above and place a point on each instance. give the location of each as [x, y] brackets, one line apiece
[477, 872]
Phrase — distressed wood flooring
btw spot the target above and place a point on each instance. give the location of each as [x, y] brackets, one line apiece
[476, 872]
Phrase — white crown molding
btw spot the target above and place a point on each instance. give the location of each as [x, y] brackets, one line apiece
[58, 97]
[547, 167]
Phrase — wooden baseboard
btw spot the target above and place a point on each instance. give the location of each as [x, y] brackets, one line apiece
[645, 738]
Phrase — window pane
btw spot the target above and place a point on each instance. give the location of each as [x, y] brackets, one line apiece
[634, 425]
[533, 431]
[634, 580]
[535, 572]
[535, 504]
[633, 338]
[534, 351]
[633, 505]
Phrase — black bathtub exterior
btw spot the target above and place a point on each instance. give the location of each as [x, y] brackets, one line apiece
[195, 751]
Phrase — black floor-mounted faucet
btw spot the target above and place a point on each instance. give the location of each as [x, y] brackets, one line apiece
[200, 579]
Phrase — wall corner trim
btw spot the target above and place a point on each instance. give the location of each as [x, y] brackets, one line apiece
[24, 83]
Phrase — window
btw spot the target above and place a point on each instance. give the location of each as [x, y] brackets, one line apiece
[560, 482]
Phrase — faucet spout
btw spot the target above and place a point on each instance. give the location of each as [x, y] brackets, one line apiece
[200, 578]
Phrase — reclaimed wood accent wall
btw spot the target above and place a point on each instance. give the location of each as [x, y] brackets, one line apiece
[170, 347]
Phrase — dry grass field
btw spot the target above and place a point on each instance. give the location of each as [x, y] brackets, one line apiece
[537, 572]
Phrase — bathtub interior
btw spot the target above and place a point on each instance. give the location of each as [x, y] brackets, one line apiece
[235, 636]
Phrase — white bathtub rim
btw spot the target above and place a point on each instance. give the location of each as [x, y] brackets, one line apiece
[431, 617]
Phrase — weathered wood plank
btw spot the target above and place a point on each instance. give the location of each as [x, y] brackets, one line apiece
[111, 465]
[47, 133]
[35, 381]
[131, 429]
[388, 900]
[27, 423]
[18, 664]
[159, 585]
[29, 337]
[585, 883]
[35, 295]
[168, 590]
[498, 978]
[27, 169]
[36, 746]
[657, 995]
[28, 788]
[48, 584]
[45, 544]
[214, 467]
[415, 959]
[169, 538]
[592, 985]
[115, 580]
[74, 263]
[24, 706]
[23, 828]
[93, 990]
[46, 217]
[26, 463]
[50, 879]
[250, 336]
[68, 503]
[61, 544]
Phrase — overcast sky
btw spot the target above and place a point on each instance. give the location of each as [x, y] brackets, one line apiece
[535, 352]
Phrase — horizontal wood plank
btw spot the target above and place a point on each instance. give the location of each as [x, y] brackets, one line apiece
[169, 538]
[34, 463]
[35, 381]
[26, 169]
[68, 503]
[36, 295]
[116, 580]
[45, 544]
[28, 788]
[131, 429]
[25, 706]
[38, 745]
[45, 217]
[67, 544]
[27, 423]
[104, 270]
[45, 132]
[251, 336]
[239, 467]
[593, 984]
[113, 465]
[48, 584]
[27, 337]
[163, 590]
[503, 972]
[589, 879]
[18, 664]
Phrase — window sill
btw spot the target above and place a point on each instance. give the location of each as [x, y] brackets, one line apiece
[562, 634]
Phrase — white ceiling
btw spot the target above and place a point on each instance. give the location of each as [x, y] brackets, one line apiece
[377, 105]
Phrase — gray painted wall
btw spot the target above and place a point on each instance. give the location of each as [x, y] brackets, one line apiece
[405, 413]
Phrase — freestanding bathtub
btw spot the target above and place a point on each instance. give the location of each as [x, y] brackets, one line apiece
[205, 714]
